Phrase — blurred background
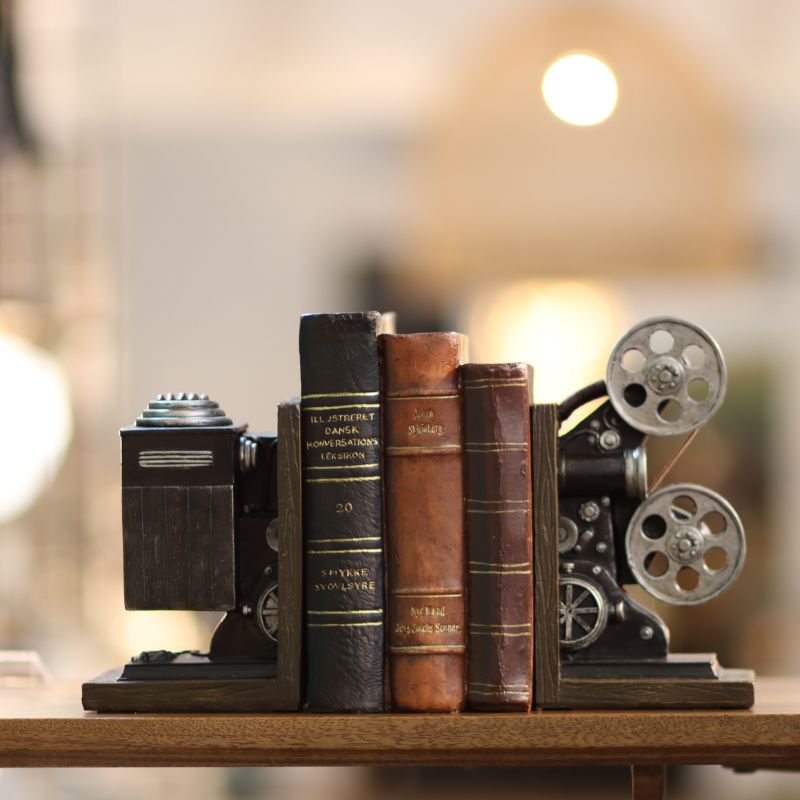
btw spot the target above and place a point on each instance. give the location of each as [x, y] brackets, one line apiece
[181, 179]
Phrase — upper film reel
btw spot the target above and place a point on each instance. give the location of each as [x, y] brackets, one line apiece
[685, 544]
[666, 377]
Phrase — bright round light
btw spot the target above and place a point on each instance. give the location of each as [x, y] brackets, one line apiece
[35, 423]
[580, 89]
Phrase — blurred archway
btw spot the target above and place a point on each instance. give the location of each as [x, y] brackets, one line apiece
[505, 188]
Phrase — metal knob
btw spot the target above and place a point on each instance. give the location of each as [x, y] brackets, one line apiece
[182, 410]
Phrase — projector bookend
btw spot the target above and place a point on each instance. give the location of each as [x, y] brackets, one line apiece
[211, 521]
[599, 525]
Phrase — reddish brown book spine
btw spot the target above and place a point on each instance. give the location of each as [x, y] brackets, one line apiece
[424, 512]
[499, 535]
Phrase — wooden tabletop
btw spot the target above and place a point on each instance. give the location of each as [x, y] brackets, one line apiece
[46, 727]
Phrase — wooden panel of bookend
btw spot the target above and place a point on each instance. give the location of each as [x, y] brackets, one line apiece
[281, 693]
[544, 455]
[731, 689]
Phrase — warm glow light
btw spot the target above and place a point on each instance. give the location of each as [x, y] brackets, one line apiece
[580, 89]
[566, 330]
[155, 630]
[35, 423]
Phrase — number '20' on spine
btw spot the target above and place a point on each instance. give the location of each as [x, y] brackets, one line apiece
[342, 511]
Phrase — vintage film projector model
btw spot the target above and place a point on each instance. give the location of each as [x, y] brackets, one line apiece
[599, 526]
[211, 521]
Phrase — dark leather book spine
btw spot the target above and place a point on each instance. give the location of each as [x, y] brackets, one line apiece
[424, 520]
[342, 511]
[497, 467]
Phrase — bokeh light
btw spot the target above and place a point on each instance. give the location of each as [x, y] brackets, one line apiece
[35, 423]
[580, 89]
[566, 329]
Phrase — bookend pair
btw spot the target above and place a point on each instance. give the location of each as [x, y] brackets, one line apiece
[212, 519]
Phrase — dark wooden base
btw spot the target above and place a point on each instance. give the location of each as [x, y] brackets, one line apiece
[676, 666]
[731, 688]
[194, 666]
[108, 693]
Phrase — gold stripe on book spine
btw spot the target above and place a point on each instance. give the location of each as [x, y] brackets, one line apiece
[523, 510]
[474, 386]
[352, 611]
[519, 449]
[423, 449]
[342, 480]
[339, 394]
[420, 398]
[496, 444]
[500, 625]
[347, 405]
[352, 539]
[495, 502]
[343, 624]
[500, 685]
[499, 572]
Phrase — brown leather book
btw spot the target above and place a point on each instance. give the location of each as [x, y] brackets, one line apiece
[424, 513]
[497, 470]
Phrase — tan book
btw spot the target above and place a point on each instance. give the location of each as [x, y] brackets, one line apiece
[424, 512]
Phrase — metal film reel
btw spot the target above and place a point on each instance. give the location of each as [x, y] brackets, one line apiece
[266, 612]
[685, 544]
[666, 377]
[583, 612]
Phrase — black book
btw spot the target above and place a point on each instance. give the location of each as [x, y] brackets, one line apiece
[342, 510]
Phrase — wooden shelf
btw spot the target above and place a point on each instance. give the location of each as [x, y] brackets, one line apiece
[46, 727]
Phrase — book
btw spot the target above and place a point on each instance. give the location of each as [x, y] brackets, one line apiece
[424, 520]
[342, 511]
[498, 519]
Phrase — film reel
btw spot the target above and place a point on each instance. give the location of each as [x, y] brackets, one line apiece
[685, 544]
[666, 377]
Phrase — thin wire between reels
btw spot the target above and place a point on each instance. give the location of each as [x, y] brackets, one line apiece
[673, 460]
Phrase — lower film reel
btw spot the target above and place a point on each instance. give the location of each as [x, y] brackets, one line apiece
[666, 377]
[685, 544]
